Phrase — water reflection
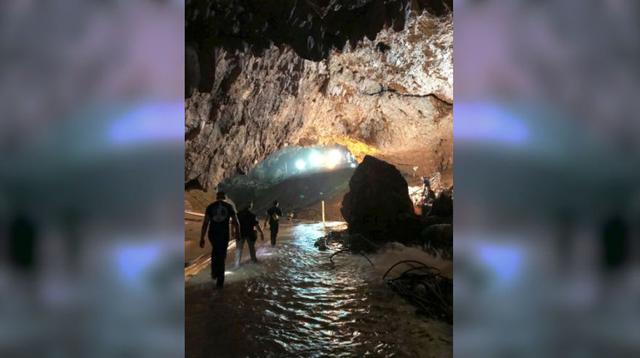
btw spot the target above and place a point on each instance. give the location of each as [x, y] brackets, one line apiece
[302, 305]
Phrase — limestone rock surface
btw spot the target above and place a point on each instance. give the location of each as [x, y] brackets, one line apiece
[375, 76]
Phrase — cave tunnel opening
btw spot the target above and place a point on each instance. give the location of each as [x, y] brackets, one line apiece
[300, 178]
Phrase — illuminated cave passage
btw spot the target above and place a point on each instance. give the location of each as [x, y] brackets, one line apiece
[346, 102]
[299, 178]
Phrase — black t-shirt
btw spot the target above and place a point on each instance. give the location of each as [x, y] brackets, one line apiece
[219, 214]
[274, 213]
[247, 221]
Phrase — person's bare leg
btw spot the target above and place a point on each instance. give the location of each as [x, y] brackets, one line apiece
[239, 245]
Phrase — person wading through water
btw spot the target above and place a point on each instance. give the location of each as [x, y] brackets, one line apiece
[216, 219]
[273, 218]
[248, 226]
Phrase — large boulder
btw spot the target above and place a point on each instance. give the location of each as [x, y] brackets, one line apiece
[378, 205]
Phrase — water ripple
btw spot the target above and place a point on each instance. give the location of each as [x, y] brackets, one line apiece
[302, 306]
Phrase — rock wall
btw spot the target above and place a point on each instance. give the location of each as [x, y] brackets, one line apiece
[389, 87]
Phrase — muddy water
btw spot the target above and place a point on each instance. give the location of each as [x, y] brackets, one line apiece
[296, 303]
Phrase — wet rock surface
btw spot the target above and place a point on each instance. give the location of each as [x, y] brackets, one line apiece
[316, 72]
[378, 202]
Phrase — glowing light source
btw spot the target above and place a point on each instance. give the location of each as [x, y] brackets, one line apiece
[300, 164]
[357, 148]
[334, 157]
[316, 159]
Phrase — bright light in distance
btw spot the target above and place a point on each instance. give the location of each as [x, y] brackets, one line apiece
[323, 159]
[316, 159]
[300, 164]
[334, 157]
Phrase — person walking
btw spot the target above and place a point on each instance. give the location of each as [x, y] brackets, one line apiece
[273, 218]
[428, 197]
[216, 223]
[248, 226]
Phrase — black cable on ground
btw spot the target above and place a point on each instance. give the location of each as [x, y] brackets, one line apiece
[422, 286]
[365, 256]
[422, 265]
[348, 250]
[335, 253]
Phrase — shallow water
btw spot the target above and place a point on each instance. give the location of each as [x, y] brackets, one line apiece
[296, 303]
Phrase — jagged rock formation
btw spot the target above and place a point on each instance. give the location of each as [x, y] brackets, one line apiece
[370, 72]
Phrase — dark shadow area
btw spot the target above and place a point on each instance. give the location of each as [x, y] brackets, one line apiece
[310, 27]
